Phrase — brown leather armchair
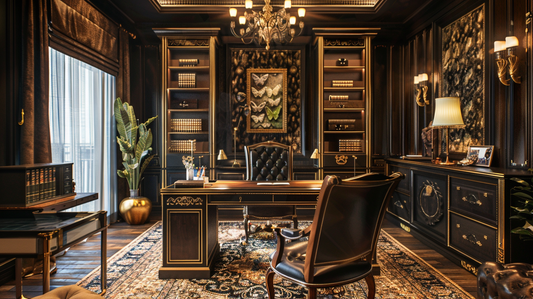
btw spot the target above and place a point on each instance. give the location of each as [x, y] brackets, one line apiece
[342, 238]
[505, 281]
[268, 161]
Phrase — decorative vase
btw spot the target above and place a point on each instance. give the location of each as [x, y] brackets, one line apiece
[135, 209]
[189, 174]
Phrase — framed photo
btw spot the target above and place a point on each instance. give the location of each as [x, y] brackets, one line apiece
[482, 154]
[267, 98]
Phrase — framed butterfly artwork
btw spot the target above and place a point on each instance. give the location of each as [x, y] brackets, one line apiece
[267, 99]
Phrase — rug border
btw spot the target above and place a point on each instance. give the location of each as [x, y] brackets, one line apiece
[427, 264]
[117, 254]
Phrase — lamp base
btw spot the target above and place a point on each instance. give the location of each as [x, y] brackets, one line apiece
[236, 164]
[447, 162]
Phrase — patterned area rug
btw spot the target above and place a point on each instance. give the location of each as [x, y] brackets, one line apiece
[133, 272]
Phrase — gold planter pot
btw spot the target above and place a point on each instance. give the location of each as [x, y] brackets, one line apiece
[135, 209]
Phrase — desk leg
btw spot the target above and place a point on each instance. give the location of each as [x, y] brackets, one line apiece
[103, 262]
[18, 278]
[46, 260]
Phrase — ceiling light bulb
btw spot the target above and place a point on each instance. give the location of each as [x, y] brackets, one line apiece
[242, 20]
[511, 41]
[248, 4]
[301, 12]
[288, 4]
[292, 20]
[499, 45]
[233, 12]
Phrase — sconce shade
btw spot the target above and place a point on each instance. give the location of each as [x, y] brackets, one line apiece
[422, 77]
[301, 12]
[315, 155]
[416, 80]
[233, 12]
[448, 112]
[499, 45]
[511, 41]
[222, 155]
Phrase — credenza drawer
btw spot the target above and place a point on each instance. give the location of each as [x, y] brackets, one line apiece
[474, 199]
[405, 185]
[240, 197]
[400, 205]
[473, 238]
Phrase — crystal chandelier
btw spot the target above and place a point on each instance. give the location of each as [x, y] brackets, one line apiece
[264, 26]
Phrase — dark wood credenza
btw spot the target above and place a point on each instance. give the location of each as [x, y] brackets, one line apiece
[461, 211]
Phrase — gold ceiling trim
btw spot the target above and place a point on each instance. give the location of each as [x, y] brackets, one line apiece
[222, 5]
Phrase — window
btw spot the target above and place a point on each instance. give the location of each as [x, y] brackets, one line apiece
[82, 127]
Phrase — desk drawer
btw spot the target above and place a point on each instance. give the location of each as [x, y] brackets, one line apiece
[400, 205]
[240, 197]
[473, 238]
[474, 199]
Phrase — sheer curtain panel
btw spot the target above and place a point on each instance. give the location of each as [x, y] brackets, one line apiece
[83, 129]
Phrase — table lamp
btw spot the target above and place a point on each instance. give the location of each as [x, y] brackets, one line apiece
[448, 115]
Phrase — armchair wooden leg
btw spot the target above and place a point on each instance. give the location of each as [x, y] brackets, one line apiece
[246, 230]
[269, 278]
[311, 293]
[371, 286]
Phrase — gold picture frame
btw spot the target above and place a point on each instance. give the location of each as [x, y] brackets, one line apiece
[482, 154]
[267, 98]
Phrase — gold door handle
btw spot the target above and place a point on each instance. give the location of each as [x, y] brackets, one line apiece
[21, 122]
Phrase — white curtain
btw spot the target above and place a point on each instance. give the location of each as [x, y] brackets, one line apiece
[83, 128]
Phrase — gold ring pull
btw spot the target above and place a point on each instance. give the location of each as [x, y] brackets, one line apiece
[21, 122]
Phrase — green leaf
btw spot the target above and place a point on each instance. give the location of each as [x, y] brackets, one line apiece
[520, 181]
[120, 117]
[145, 163]
[523, 195]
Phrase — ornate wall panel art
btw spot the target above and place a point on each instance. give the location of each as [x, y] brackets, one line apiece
[463, 75]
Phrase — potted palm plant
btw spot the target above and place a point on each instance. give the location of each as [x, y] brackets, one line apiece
[135, 144]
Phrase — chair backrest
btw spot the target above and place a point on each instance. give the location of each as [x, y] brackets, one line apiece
[348, 219]
[268, 161]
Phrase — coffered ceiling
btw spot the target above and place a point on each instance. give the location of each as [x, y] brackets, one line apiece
[389, 15]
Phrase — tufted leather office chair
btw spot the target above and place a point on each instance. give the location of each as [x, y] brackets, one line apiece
[342, 238]
[268, 161]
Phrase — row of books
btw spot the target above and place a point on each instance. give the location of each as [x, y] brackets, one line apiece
[40, 184]
[342, 83]
[182, 146]
[350, 145]
[187, 80]
[338, 97]
[188, 62]
[186, 125]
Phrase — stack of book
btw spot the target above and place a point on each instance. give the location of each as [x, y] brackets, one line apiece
[186, 125]
[187, 80]
[182, 146]
[342, 83]
[188, 62]
[350, 145]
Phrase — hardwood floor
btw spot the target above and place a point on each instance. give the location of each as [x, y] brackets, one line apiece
[83, 258]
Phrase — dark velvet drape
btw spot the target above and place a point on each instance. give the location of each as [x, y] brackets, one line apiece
[35, 144]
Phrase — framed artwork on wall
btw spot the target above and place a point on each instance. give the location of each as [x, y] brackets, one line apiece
[267, 99]
[463, 75]
[482, 154]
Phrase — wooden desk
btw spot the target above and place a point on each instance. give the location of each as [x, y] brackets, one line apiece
[190, 219]
[30, 232]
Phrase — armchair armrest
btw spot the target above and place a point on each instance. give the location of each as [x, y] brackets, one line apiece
[294, 233]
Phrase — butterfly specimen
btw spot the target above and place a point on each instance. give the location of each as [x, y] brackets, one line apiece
[266, 125]
[274, 102]
[258, 118]
[273, 114]
[259, 80]
[257, 108]
[273, 91]
[259, 93]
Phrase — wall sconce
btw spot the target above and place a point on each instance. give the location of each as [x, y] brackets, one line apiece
[510, 43]
[422, 92]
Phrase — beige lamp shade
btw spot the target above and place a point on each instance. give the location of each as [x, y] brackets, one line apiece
[448, 112]
[315, 154]
[222, 155]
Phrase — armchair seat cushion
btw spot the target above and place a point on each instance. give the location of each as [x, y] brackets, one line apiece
[514, 280]
[69, 292]
[293, 261]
